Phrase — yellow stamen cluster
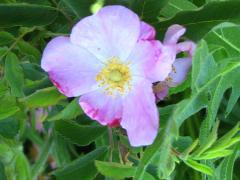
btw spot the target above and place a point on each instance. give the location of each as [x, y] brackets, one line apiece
[114, 77]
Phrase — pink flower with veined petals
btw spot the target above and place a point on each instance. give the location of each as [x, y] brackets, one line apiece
[178, 67]
[110, 61]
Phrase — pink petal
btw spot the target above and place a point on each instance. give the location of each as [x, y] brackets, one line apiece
[173, 34]
[166, 59]
[113, 31]
[180, 69]
[71, 68]
[105, 109]
[187, 46]
[144, 59]
[147, 32]
[161, 91]
[140, 115]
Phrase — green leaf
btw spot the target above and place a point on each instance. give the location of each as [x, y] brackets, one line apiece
[37, 168]
[118, 2]
[6, 38]
[43, 98]
[224, 36]
[190, 148]
[209, 83]
[8, 106]
[79, 8]
[6, 153]
[22, 167]
[2, 171]
[60, 153]
[71, 111]
[26, 15]
[223, 142]
[148, 10]
[32, 71]
[166, 113]
[115, 170]
[79, 134]
[199, 22]
[3, 87]
[213, 155]
[82, 168]
[9, 127]
[199, 167]
[210, 140]
[14, 75]
[27, 48]
[226, 167]
[175, 6]
[227, 145]
[182, 143]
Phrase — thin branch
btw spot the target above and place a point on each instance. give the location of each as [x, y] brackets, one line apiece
[16, 41]
[111, 143]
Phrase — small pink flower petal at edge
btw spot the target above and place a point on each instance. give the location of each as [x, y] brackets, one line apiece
[161, 92]
[181, 68]
[187, 46]
[173, 34]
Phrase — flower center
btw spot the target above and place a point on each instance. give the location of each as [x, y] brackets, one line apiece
[114, 77]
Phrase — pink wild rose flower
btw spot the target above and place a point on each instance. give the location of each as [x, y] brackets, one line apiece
[178, 67]
[110, 60]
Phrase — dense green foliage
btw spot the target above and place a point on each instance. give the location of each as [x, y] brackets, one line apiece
[44, 134]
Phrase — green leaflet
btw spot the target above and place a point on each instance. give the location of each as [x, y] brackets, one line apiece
[148, 10]
[78, 8]
[8, 106]
[14, 75]
[78, 134]
[43, 97]
[26, 15]
[115, 170]
[199, 167]
[22, 167]
[9, 127]
[213, 155]
[209, 80]
[198, 22]
[175, 6]
[6, 38]
[83, 167]
[71, 111]
[225, 140]
[2, 171]
[225, 169]
[211, 139]
[118, 171]
[28, 49]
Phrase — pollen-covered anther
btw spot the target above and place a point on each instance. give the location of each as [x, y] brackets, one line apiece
[115, 77]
